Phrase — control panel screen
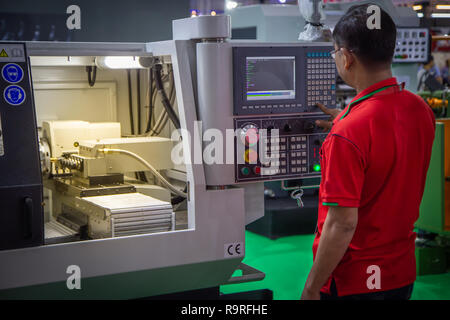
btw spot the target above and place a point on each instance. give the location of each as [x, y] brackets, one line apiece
[281, 79]
[270, 78]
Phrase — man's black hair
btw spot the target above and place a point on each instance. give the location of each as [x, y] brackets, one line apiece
[374, 47]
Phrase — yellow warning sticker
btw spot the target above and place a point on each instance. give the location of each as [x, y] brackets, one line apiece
[3, 54]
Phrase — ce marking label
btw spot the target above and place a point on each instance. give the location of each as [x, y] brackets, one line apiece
[234, 249]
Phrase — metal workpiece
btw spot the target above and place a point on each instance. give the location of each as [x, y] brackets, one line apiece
[71, 162]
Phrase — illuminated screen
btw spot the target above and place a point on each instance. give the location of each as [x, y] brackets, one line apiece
[270, 78]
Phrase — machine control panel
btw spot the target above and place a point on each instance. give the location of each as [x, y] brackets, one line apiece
[413, 45]
[283, 80]
[276, 90]
[277, 148]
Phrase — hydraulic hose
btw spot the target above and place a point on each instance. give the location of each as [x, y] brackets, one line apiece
[149, 166]
[165, 101]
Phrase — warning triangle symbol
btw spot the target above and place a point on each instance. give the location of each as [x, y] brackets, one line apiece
[3, 54]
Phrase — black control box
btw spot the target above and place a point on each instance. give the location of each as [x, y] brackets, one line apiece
[21, 211]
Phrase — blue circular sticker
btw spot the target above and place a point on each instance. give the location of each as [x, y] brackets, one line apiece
[12, 73]
[14, 95]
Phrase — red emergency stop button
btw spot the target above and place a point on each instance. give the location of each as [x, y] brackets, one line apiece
[251, 136]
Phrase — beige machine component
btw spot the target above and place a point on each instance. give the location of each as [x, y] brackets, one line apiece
[153, 149]
[88, 185]
[125, 214]
[61, 135]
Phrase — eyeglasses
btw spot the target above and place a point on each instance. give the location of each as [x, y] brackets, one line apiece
[333, 53]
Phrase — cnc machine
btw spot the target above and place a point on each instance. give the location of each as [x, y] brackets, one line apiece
[83, 191]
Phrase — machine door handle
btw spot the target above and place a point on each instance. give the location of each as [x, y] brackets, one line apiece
[28, 218]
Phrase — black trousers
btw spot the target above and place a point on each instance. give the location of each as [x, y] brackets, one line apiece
[403, 293]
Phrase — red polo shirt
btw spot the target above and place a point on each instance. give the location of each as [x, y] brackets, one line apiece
[376, 159]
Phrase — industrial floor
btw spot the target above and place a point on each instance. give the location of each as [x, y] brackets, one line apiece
[287, 261]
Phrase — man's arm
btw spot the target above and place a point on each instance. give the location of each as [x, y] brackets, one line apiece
[337, 232]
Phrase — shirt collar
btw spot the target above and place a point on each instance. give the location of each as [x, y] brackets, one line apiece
[372, 88]
[388, 82]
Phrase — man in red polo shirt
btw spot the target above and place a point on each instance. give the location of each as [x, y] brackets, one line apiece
[374, 165]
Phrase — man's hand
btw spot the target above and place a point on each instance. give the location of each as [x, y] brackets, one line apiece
[333, 113]
[308, 295]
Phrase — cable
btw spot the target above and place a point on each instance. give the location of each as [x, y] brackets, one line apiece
[150, 106]
[165, 101]
[130, 101]
[155, 123]
[179, 199]
[172, 102]
[92, 74]
[138, 85]
[163, 117]
[149, 166]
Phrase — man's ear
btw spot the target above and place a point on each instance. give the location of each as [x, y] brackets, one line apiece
[349, 59]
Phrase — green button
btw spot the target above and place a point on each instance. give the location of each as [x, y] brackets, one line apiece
[316, 167]
[245, 171]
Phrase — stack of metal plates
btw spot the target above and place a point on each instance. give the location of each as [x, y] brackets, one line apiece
[131, 214]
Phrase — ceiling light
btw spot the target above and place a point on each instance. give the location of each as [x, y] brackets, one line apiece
[440, 15]
[231, 5]
[443, 7]
[116, 62]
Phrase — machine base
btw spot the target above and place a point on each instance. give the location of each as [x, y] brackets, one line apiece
[283, 218]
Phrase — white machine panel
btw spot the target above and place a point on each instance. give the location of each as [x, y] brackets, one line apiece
[413, 45]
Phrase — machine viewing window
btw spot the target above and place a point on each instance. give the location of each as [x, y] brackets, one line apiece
[270, 78]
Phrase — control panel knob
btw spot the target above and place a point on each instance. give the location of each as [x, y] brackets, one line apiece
[249, 134]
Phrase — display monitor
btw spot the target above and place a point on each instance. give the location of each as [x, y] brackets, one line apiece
[270, 78]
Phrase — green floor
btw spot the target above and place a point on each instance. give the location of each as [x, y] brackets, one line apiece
[287, 261]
